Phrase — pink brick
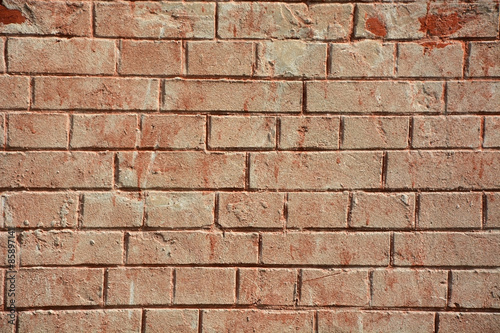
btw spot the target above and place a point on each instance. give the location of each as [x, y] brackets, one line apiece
[491, 132]
[309, 132]
[483, 59]
[173, 131]
[242, 132]
[374, 132]
[15, 92]
[469, 322]
[473, 96]
[31, 130]
[267, 286]
[112, 210]
[493, 210]
[475, 289]
[150, 57]
[446, 132]
[317, 210]
[171, 320]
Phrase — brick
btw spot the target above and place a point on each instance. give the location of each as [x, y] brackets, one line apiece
[483, 59]
[430, 59]
[59, 287]
[181, 170]
[104, 131]
[133, 286]
[475, 289]
[171, 320]
[220, 58]
[281, 21]
[268, 321]
[446, 249]
[71, 248]
[6, 239]
[317, 210]
[150, 57]
[41, 210]
[446, 132]
[242, 132]
[173, 131]
[56, 170]
[450, 210]
[309, 132]
[251, 209]
[320, 248]
[2, 59]
[473, 96]
[57, 55]
[244, 96]
[374, 96]
[15, 92]
[3, 138]
[362, 59]
[267, 286]
[491, 132]
[375, 321]
[443, 170]
[112, 210]
[374, 132]
[380, 210]
[8, 323]
[493, 211]
[81, 321]
[290, 58]
[180, 209]
[315, 171]
[334, 287]
[31, 130]
[469, 322]
[409, 288]
[158, 20]
[194, 247]
[204, 285]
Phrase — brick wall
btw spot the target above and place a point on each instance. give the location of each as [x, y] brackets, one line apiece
[232, 166]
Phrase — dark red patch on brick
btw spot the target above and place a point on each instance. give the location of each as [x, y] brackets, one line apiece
[9, 16]
[441, 24]
[376, 27]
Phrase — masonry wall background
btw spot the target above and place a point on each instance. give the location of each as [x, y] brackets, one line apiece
[251, 166]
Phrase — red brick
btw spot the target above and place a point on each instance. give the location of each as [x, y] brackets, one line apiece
[483, 59]
[31, 130]
[97, 93]
[56, 170]
[267, 286]
[493, 211]
[317, 210]
[41, 210]
[57, 55]
[309, 132]
[173, 131]
[320, 248]
[454, 322]
[181, 170]
[450, 210]
[446, 249]
[473, 96]
[475, 289]
[193, 247]
[242, 132]
[374, 132]
[314, 171]
[139, 286]
[334, 287]
[233, 96]
[446, 132]
[150, 57]
[171, 320]
[112, 210]
[71, 248]
[15, 92]
[104, 131]
[59, 287]
[6, 240]
[492, 132]
[204, 285]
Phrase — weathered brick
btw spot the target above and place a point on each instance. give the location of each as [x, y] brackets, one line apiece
[317, 210]
[251, 209]
[454, 322]
[56, 170]
[491, 132]
[3, 138]
[7, 239]
[41, 210]
[280, 20]
[171, 320]
[242, 132]
[483, 59]
[475, 289]
[58, 55]
[173, 131]
[234, 96]
[443, 170]
[104, 131]
[446, 249]
[139, 286]
[194, 247]
[450, 210]
[155, 19]
[446, 132]
[181, 170]
[31, 130]
[375, 132]
[150, 57]
[283, 170]
[180, 209]
[362, 59]
[493, 211]
[71, 248]
[309, 132]
[8, 326]
[267, 286]
[473, 96]
[334, 287]
[374, 96]
[381, 210]
[15, 92]
[2, 60]
[204, 285]
[112, 210]
[319, 248]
